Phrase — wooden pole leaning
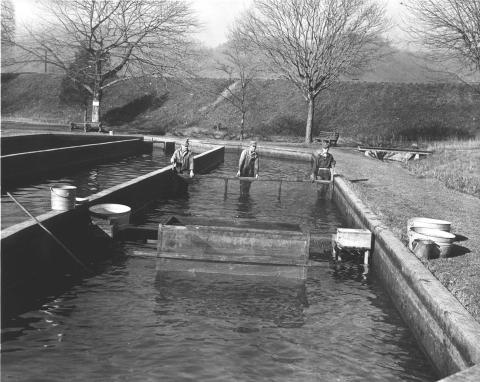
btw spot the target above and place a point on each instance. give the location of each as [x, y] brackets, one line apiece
[51, 234]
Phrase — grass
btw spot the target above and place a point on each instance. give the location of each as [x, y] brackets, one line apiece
[456, 163]
[389, 112]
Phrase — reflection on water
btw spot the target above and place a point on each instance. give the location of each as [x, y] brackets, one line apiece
[128, 323]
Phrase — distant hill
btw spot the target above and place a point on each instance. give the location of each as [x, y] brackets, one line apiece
[359, 110]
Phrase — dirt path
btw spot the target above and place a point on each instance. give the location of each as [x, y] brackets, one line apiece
[396, 195]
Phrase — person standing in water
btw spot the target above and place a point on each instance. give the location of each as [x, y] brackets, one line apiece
[182, 159]
[248, 166]
[322, 163]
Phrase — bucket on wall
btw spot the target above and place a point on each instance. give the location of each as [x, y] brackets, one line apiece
[63, 197]
[111, 213]
[443, 239]
[441, 225]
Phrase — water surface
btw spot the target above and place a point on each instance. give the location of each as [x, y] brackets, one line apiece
[128, 323]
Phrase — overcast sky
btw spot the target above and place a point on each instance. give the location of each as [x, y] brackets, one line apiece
[217, 15]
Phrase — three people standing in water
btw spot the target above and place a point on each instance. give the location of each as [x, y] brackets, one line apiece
[321, 163]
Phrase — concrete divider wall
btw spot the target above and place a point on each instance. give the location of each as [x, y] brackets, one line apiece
[26, 248]
[20, 165]
[446, 331]
[26, 143]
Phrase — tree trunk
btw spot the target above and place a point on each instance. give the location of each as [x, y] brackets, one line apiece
[97, 98]
[242, 125]
[311, 113]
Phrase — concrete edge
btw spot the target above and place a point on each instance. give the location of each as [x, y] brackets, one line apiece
[449, 335]
[472, 374]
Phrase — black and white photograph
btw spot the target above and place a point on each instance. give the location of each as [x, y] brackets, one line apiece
[240, 190]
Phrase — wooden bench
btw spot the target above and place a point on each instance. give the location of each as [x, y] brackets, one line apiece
[88, 126]
[331, 136]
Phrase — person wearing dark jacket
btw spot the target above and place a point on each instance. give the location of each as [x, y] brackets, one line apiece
[322, 163]
[248, 166]
[182, 159]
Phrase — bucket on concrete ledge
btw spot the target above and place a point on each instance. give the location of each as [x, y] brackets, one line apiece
[63, 197]
[443, 239]
[441, 225]
[111, 213]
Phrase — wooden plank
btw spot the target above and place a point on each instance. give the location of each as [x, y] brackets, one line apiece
[235, 257]
[244, 179]
[213, 240]
[390, 149]
[178, 265]
[238, 223]
[353, 238]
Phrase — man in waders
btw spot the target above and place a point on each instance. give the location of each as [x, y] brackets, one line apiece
[248, 166]
[322, 162]
[182, 159]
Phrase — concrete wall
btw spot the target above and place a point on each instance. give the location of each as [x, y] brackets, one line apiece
[27, 248]
[446, 331]
[23, 164]
[26, 143]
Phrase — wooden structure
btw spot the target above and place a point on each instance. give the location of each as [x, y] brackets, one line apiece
[233, 246]
[226, 179]
[348, 238]
[384, 152]
[331, 136]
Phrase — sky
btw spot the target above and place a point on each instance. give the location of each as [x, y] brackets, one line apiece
[216, 15]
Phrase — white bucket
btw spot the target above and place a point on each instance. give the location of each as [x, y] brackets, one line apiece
[63, 197]
[112, 213]
[441, 225]
[443, 239]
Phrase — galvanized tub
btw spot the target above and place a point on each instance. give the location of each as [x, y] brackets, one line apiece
[111, 213]
[441, 225]
[443, 239]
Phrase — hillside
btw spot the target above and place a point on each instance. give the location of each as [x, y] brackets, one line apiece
[359, 110]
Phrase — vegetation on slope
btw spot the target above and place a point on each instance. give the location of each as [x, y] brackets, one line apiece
[362, 111]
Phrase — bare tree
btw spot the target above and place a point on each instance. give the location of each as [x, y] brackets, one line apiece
[8, 27]
[447, 36]
[313, 42]
[241, 68]
[120, 39]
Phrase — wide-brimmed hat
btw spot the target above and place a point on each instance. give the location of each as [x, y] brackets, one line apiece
[253, 143]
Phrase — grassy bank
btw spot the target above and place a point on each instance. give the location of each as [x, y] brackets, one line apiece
[455, 163]
[362, 112]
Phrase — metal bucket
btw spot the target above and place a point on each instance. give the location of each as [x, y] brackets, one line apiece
[112, 213]
[63, 197]
[443, 239]
[441, 225]
[425, 249]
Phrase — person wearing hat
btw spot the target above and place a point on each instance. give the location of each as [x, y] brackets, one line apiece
[182, 159]
[248, 165]
[322, 162]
